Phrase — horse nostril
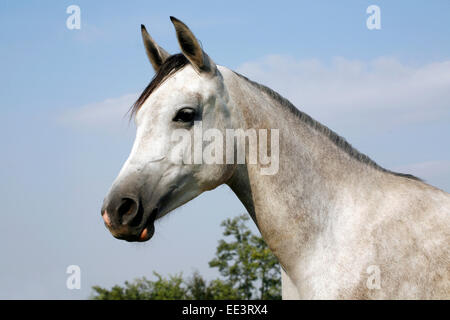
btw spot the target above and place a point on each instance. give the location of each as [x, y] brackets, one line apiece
[128, 207]
[123, 213]
[129, 213]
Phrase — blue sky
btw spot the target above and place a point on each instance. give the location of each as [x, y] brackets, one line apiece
[65, 92]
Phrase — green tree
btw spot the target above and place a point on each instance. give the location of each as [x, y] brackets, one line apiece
[246, 262]
[143, 289]
[173, 288]
[199, 289]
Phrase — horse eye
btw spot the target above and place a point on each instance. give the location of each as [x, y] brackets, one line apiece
[185, 115]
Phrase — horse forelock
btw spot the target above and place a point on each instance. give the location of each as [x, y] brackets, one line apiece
[169, 67]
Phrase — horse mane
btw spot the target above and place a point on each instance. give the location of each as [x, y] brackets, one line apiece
[171, 65]
[178, 61]
[330, 134]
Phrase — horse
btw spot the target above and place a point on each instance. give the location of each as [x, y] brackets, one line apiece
[341, 226]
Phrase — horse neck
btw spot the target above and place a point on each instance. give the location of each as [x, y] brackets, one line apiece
[294, 206]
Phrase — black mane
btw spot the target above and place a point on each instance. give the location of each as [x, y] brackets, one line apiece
[171, 65]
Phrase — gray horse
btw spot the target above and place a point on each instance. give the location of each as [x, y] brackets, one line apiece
[341, 226]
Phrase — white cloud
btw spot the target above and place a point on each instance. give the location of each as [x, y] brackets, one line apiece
[354, 91]
[110, 114]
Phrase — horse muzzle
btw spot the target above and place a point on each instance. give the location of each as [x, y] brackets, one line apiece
[126, 219]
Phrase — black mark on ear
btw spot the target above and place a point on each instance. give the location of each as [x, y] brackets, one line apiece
[188, 46]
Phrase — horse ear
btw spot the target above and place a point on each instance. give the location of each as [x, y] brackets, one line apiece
[155, 53]
[191, 48]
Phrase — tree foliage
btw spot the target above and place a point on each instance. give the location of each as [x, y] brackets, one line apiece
[173, 288]
[248, 268]
[246, 262]
[143, 289]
